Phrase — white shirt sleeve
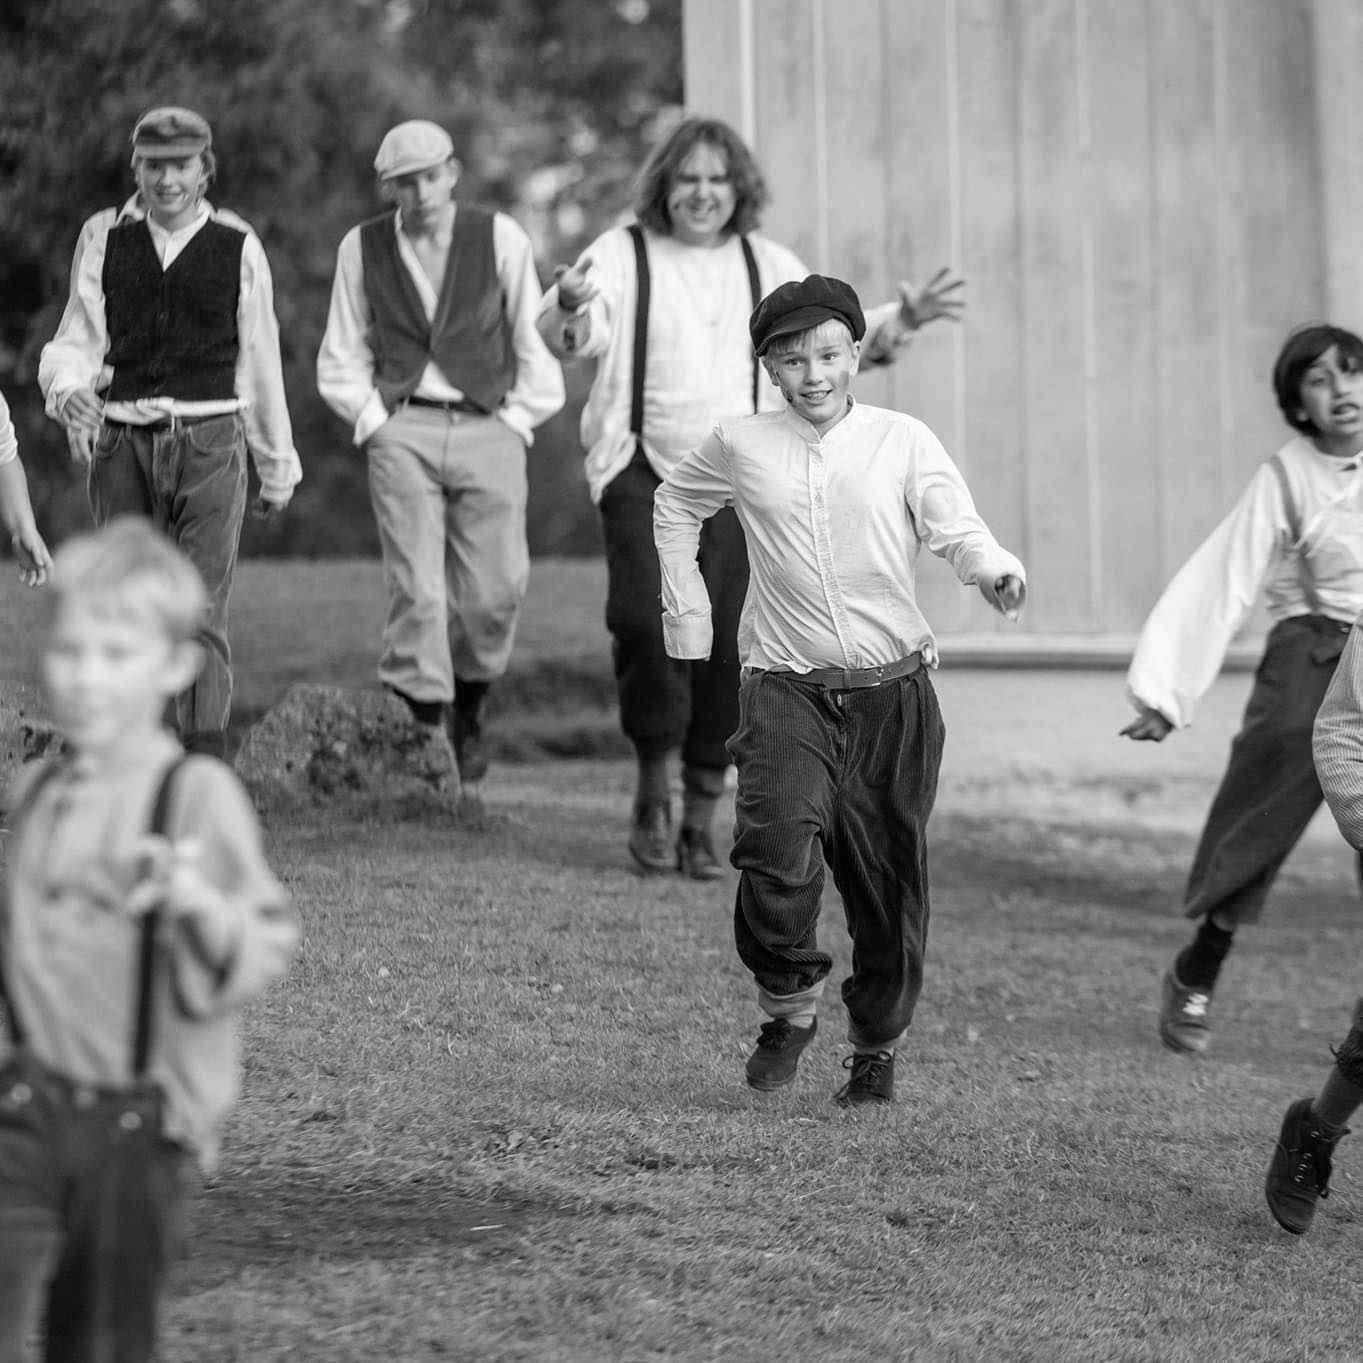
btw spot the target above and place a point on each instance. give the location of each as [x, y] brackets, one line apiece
[1337, 742]
[1184, 640]
[538, 391]
[605, 263]
[696, 488]
[946, 519]
[260, 378]
[74, 357]
[9, 442]
[345, 361]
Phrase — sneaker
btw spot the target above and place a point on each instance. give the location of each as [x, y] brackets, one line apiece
[1299, 1173]
[696, 856]
[1183, 1013]
[470, 748]
[650, 838]
[779, 1045]
[871, 1081]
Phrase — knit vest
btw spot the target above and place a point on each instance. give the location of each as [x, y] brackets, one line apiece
[469, 339]
[172, 333]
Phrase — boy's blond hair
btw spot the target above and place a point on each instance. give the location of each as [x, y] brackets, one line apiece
[793, 340]
[129, 568]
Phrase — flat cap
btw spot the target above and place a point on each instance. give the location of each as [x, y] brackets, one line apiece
[802, 304]
[171, 131]
[410, 146]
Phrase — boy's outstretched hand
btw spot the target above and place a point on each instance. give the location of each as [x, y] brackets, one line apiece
[1007, 594]
[1148, 727]
[575, 291]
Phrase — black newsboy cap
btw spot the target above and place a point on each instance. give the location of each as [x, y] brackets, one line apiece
[802, 304]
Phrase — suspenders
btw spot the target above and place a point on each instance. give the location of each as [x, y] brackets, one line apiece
[636, 404]
[147, 933]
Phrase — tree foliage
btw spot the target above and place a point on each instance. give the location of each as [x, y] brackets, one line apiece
[552, 105]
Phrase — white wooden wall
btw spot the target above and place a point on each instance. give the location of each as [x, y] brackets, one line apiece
[1144, 195]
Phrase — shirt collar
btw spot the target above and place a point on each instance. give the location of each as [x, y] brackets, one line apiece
[807, 432]
[134, 210]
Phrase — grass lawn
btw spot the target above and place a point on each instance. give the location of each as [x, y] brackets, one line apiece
[497, 1111]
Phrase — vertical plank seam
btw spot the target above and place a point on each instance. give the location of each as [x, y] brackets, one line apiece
[1224, 229]
[1088, 303]
[951, 19]
[819, 58]
[747, 71]
[1155, 225]
[1025, 441]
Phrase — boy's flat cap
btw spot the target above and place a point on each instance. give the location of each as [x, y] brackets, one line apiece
[171, 131]
[802, 304]
[414, 145]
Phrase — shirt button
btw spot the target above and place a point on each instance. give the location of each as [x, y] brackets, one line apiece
[130, 1121]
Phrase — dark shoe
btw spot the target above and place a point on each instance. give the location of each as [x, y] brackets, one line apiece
[779, 1045]
[470, 749]
[872, 1079]
[1299, 1173]
[1183, 1024]
[696, 856]
[650, 838]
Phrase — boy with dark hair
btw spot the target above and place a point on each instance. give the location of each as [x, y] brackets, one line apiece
[140, 916]
[663, 306]
[165, 370]
[1298, 527]
[431, 355]
[839, 737]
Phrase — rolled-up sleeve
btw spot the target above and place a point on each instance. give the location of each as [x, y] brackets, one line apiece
[1337, 742]
[699, 486]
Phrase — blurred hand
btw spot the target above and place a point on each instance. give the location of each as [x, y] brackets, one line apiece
[574, 287]
[939, 297]
[1007, 595]
[1148, 727]
[262, 509]
[35, 563]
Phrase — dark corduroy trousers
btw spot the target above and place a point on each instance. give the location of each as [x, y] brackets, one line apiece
[846, 777]
[1270, 791]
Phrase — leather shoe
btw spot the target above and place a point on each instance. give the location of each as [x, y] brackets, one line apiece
[650, 838]
[470, 748]
[696, 856]
[871, 1080]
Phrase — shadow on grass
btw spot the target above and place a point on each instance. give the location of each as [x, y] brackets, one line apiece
[260, 1222]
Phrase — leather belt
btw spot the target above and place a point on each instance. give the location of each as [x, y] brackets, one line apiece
[846, 678]
[454, 405]
[172, 421]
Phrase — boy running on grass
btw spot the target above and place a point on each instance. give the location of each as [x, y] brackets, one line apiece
[1299, 1172]
[140, 916]
[839, 735]
[16, 510]
[1298, 527]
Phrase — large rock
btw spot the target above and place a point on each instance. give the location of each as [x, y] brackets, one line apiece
[26, 730]
[328, 745]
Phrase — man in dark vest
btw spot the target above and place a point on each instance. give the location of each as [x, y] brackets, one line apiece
[432, 356]
[165, 370]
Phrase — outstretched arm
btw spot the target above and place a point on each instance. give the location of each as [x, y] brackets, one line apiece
[891, 326]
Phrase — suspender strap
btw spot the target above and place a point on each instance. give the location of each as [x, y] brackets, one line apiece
[151, 923]
[1294, 529]
[41, 780]
[636, 401]
[755, 292]
[643, 291]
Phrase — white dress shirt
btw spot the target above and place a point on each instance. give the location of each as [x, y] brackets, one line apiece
[75, 357]
[9, 442]
[833, 525]
[1184, 640]
[345, 362]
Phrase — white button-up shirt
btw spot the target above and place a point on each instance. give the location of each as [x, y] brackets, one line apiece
[75, 357]
[833, 527]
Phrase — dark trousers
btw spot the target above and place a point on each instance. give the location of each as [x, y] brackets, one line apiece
[1269, 792]
[189, 479]
[90, 1205]
[667, 703]
[849, 777]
